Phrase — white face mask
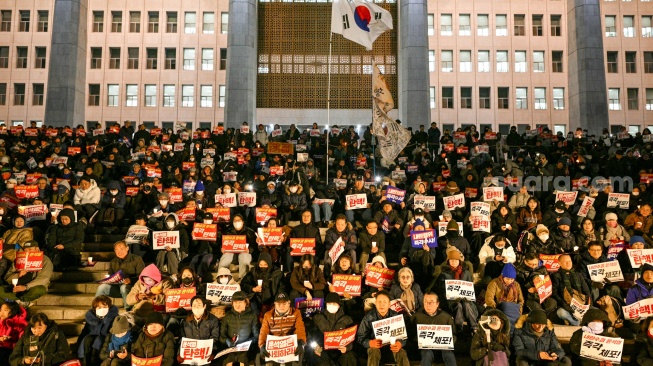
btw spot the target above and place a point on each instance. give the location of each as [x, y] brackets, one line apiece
[543, 237]
[170, 224]
[226, 191]
[238, 225]
[198, 312]
[332, 308]
[596, 327]
[293, 189]
[635, 194]
[560, 211]
[163, 203]
[114, 192]
[120, 335]
[224, 280]
[10, 185]
[101, 312]
[208, 222]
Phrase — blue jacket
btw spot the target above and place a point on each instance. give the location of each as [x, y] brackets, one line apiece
[638, 292]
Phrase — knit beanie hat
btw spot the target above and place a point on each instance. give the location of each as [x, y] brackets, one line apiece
[509, 271]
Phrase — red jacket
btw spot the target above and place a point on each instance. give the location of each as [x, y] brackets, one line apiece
[13, 327]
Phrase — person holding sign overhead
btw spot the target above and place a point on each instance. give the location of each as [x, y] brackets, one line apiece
[30, 285]
[333, 318]
[535, 341]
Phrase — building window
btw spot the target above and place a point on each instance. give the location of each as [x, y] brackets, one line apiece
[558, 98]
[464, 25]
[132, 95]
[446, 62]
[503, 97]
[132, 61]
[37, 94]
[629, 26]
[23, 26]
[114, 58]
[171, 59]
[649, 97]
[4, 57]
[633, 99]
[631, 62]
[613, 62]
[190, 22]
[207, 58]
[484, 97]
[521, 98]
[501, 25]
[556, 61]
[613, 99]
[43, 21]
[445, 25]
[96, 58]
[556, 26]
[482, 25]
[5, 22]
[223, 58]
[209, 23]
[189, 59]
[224, 25]
[21, 57]
[465, 97]
[648, 62]
[150, 95]
[520, 24]
[432, 97]
[431, 60]
[520, 61]
[538, 61]
[98, 21]
[540, 98]
[19, 94]
[168, 95]
[647, 26]
[40, 60]
[483, 61]
[134, 21]
[206, 96]
[465, 61]
[610, 26]
[171, 22]
[152, 58]
[3, 93]
[113, 95]
[222, 96]
[537, 25]
[153, 22]
[116, 21]
[430, 18]
[502, 61]
[447, 97]
[94, 95]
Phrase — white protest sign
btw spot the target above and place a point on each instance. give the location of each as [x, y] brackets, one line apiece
[336, 250]
[480, 223]
[621, 200]
[606, 270]
[196, 351]
[393, 327]
[241, 347]
[355, 201]
[163, 239]
[281, 349]
[639, 309]
[457, 289]
[585, 206]
[479, 209]
[578, 309]
[221, 294]
[431, 336]
[567, 197]
[639, 256]
[427, 203]
[247, 199]
[455, 201]
[493, 193]
[136, 234]
[601, 348]
[226, 200]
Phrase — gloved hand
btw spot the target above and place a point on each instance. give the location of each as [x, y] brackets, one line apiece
[264, 353]
[598, 285]
[300, 347]
[229, 343]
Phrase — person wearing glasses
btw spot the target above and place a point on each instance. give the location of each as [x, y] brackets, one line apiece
[407, 290]
[431, 314]
[372, 243]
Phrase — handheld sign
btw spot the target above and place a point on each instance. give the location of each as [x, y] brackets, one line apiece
[442, 228]
[493, 193]
[480, 223]
[356, 201]
[220, 214]
[221, 294]
[115, 279]
[163, 239]
[307, 307]
[264, 214]
[639, 309]
[480, 209]
[379, 277]
[395, 195]
[281, 349]
[350, 284]
[457, 289]
[550, 261]
[340, 338]
[177, 298]
[438, 337]
[152, 361]
[621, 200]
[616, 246]
[601, 348]
[226, 200]
[579, 309]
[337, 249]
[567, 197]
[419, 238]
[301, 246]
[196, 351]
[247, 199]
[240, 347]
[544, 287]
[585, 206]
[393, 327]
[424, 202]
[453, 202]
[640, 256]
[610, 271]
[206, 232]
[235, 244]
[29, 261]
[270, 235]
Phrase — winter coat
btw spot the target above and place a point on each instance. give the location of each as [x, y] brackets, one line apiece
[243, 325]
[113, 343]
[517, 201]
[494, 292]
[327, 322]
[308, 231]
[92, 195]
[159, 288]
[52, 346]
[577, 337]
[550, 218]
[208, 327]
[528, 219]
[396, 291]
[163, 344]
[365, 331]
[348, 236]
[272, 282]
[297, 200]
[489, 251]
[365, 241]
[117, 201]
[563, 244]
[315, 277]
[528, 345]
[499, 341]
[131, 266]
[40, 278]
[277, 325]
[645, 354]
[70, 236]
[393, 219]
[638, 292]
[96, 328]
[525, 276]
[440, 317]
[13, 327]
[576, 281]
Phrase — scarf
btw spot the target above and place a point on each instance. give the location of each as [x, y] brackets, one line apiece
[457, 272]
[408, 297]
[570, 280]
[591, 236]
[508, 292]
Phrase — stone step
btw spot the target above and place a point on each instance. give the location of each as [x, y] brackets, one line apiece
[98, 256]
[71, 328]
[61, 312]
[104, 238]
[78, 276]
[97, 247]
[98, 266]
[70, 288]
[70, 300]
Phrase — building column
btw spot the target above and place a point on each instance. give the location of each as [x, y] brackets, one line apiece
[66, 94]
[588, 100]
[242, 63]
[413, 48]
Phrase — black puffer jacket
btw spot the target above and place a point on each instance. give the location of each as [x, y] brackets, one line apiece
[71, 236]
[327, 322]
[272, 283]
[52, 345]
[208, 327]
[243, 325]
[528, 345]
[577, 337]
[163, 344]
[499, 340]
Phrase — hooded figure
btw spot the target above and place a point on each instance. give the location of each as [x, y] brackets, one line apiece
[50, 346]
[491, 342]
[64, 240]
[172, 256]
[271, 283]
[595, 322]
[98, 323]
[535, 341]
[112, 200]
[333, 318]
[148, 291]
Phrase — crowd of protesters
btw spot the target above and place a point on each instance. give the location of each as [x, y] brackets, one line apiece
[107, 180]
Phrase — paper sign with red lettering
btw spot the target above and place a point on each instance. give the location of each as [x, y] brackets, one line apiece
[277, 132]
[136, 234]
[398, 306]
[195, 351]
[578, 309]
[492, 193]
[432, 336]
[462, 150]
[645, 178]
[314, 132]
[578, 183]
[52, 132]
[442, 228]
[479, 209]
[336, 250]
[220, 214]
[16, 130]
[218, 130]
[412, 168]
[257, 151]
[393, 327]
[379, 277]
[610, 271]
[31, 132]
[340, 183]
[247, 199]
[154, 149]
[186, 165]
[301, 246]
[244, 129]
[344, 283]
[264, 214]
[639, 309]
[320, 201]
[356, 201]
[490, 135]
[281, 349]
[131, 191]
[425, 202]
[114, 279]
[98, 132]
[33, 212]
[26, 191]
[281, 148]
[153, 361]
[621, 200]
[457, 289]
[585, 206]
[29, 261]
[235, 244]
[601, 348]
[175, 194]
[72, 363]
[221, 294]
[460, 135]
[544, 286]
[206, 232]
[480, 223]
[179, 147]
[640, 256]
[438, 186]
[32, 178]
[154, 173]
[453, 202]
[550, 261]
[177, 298]
[226, 200]
[74, 150]
[276, 170]
[616, 246]
[395, 195]
[186, 214]
[471, 192]
[447, 147]
[419, 238]
[398, 175]
[11, 201]
[163, 239]
[511, 181]
[567, 197]
[270, 235]
[340, 338]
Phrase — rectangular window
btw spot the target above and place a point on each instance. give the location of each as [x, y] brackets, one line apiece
[613, 62]
[43, 21]
[3, 93]
[447, 97]
[171, 22]
[114, 58]
[168, 95]
[116, 21]
[446, 61]
[464, 25]
[23, 26]
[98, 21]
[94, 95]
[629, 26]
[432, 97]
[465, 97]
[503, 97]
[132, 95]
[445, 25]
[648, 62]
[649, 98]
[189, 59]
[647, 26]
[223, 59]
[430, 21]
[5, 23]
[38, 94]
[153, 22]
[484, 97]
[556, 26]
[482, 25]
[558, 98]
[614, 104]
[556, 61]
[207, 58]
[224, 25]
[96, 58]
[152, 58]
[538, 61]
[521, 98]
[208, 27]
[537, 25]
[501, 25]
[610, 26]
[150, 95]
[540, 98]
[631, 62]
[113, 93]
[41, 58]
[21, 57]
[206, 96]
[502, 61]
[465, 61]
[134, 21]
[222, 96]
[4, 57]
[431, 60]
[520, 61]
[633, 99]
[19, 94]
[483, 61]
[190, 22]
[520, 24]
[132, 61]
[171, 59]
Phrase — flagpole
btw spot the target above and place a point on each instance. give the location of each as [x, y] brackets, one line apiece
[328, 105]
[373, 101]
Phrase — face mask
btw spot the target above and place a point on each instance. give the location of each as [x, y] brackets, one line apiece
[227, 191]
[419, 218]
[120, 335]
[224, 280]
[560, 211]
[612, 224]
[113, 192]
[101, 312]
[135, 182]
[596, 327]
[635, 194]
[163, 202]
[10, 185]
[41, 165]
[582, 167]
[208, 222]
[293, 189]
[238, 225]
[60, 167]
[452, 233]
[565, 233]
[543, 237]
[198, 312]
[332, 308]
[270, 190]
[187, 280]
[170, 224]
